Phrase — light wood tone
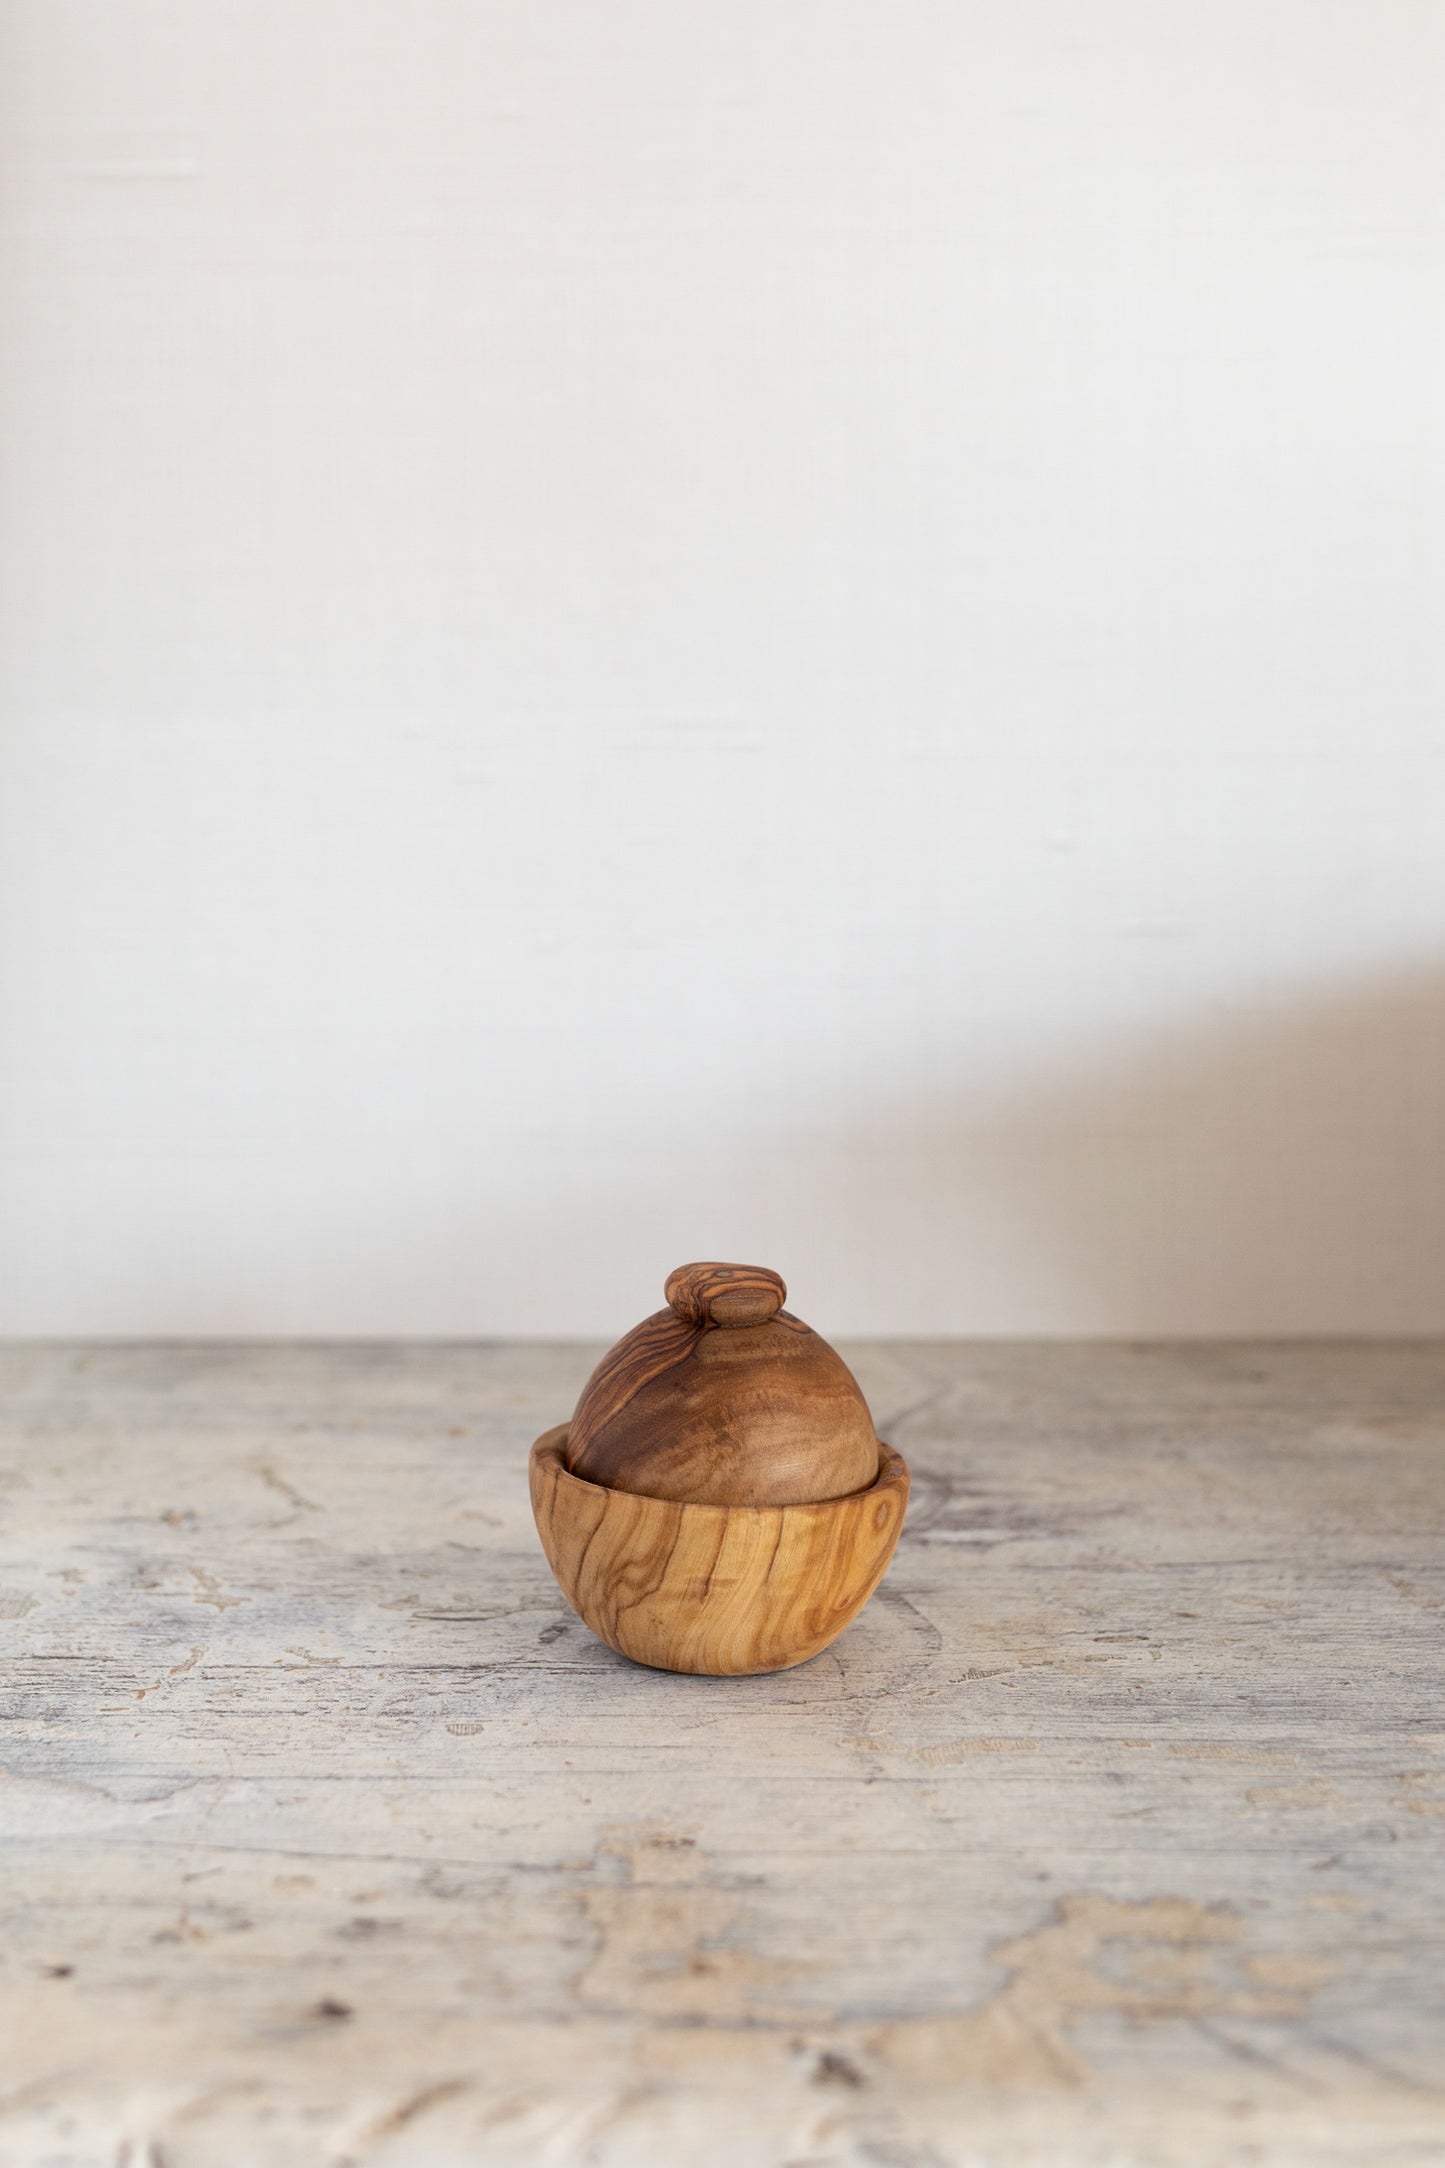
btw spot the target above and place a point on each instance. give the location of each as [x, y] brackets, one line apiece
[724, 1398]
[1108, 1836]
[727, 1590]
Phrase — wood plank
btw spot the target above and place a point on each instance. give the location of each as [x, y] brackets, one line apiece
[1111, 1832]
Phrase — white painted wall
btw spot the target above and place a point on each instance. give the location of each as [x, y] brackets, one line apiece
[796, 629]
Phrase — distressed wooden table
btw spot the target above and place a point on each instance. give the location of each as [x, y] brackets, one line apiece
[1111, 1833]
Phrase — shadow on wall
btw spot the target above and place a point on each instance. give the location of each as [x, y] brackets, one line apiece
[1267, 1170]
[1272, 1168]
[1275, 1168]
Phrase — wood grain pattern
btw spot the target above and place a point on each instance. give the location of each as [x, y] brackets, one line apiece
[1108, 1835]
[713, 1294]
[726, 1590]
[724, 1398]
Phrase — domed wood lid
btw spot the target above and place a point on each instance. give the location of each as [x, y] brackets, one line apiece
[724, 1399]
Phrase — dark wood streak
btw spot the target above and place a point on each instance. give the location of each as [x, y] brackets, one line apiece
[656, 1345]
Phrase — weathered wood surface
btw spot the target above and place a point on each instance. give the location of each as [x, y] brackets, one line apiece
[1111, 1832]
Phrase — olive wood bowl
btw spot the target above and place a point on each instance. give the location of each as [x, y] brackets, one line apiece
[726, 1590]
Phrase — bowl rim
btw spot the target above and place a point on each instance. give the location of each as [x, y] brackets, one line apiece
[892, 1469]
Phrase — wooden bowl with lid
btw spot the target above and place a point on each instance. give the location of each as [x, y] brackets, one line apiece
[719, 1501]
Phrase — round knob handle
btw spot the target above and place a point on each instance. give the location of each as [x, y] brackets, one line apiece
[725, 1294]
